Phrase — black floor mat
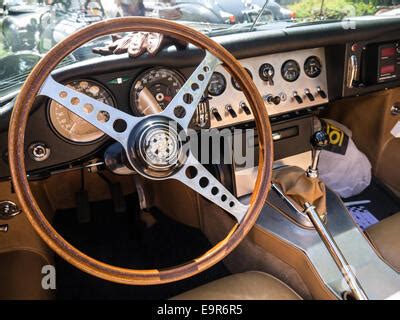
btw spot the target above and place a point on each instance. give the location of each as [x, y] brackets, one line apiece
[123, 240]
[383, 202]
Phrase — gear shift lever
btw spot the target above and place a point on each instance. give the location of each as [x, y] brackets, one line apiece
[319, 141]
[305, 187]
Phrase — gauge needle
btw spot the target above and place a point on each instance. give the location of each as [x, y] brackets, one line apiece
[147, 103]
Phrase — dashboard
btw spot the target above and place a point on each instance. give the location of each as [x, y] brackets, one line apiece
[297, 72]
[287, 82]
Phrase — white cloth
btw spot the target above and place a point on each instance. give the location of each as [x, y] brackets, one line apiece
[348, 174]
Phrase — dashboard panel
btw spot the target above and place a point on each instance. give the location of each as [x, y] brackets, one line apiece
[287, 81]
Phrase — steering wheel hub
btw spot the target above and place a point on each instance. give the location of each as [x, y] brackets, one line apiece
[156, 148]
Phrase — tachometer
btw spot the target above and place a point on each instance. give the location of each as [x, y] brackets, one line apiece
[70, 126]
[160, 84]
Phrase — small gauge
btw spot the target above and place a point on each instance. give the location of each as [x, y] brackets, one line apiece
[290, 70]
[236, 85]
[312, 67]
[70, 126]
[217, 84]
[266, 72]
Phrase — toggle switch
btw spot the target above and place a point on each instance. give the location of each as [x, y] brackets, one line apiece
[232, 112]
[321, 93]
[216, 114]
[309, 95]
[297, 97]
[245, 108]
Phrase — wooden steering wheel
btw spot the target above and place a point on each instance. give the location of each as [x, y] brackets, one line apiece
[132, 134]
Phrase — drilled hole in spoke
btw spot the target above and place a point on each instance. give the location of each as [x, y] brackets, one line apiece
[191, 172]
[214, 191]
[120, 125]
[103, 116]
[88, 107]
[63, 94]
[201, 77]
[204, 182]
[231, 204]
[75, 101]
[195, 87]
[206, 69]
[180, 112]
[223, 198]
[188, 98]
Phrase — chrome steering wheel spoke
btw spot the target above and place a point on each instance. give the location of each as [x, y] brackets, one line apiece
[184, 105]
[111, 121]
[197, 177]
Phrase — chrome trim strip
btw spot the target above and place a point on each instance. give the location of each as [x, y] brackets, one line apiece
[336, 253]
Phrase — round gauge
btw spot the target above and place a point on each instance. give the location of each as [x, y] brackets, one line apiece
[159, 85]
[266, 72]
[236, 85]
[290, 70]
[312, 67]
[70, 126]
[217, 84]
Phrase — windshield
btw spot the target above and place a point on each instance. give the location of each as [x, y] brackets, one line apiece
[29, 28]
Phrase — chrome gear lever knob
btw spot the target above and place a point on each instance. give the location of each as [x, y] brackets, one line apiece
[319, 141]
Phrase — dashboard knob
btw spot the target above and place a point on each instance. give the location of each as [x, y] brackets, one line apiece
[297, 97]
[309, 94]
[273, 99]
[216, 114]
[232, 112]
[245, 108]
[321, 93]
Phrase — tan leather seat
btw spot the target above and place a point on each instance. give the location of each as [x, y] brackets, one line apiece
[385, 237]
[252, 285]
[21, 276]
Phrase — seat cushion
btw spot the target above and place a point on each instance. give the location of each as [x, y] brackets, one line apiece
[252, 285]
[385, 237]
[21, 276]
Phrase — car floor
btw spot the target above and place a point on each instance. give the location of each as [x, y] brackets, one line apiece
[378, 200]
[122, 239]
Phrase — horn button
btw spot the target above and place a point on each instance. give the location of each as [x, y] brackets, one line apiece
[155, 147]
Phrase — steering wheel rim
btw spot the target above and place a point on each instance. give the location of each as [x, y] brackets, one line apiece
[20, 115]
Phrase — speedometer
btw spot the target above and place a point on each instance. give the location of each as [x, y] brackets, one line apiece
[158, 85]
[71, 127]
